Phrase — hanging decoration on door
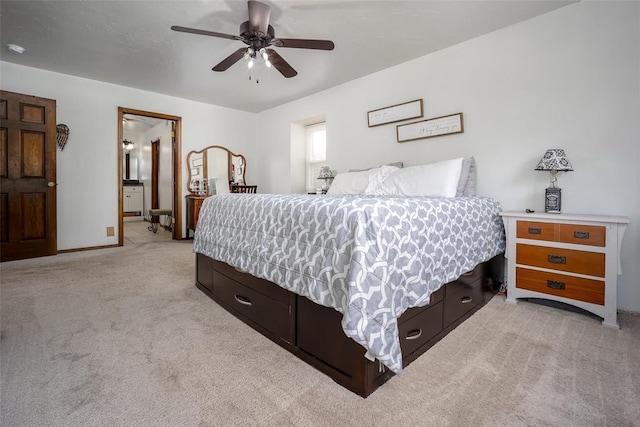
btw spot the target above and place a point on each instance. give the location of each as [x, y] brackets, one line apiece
[62, 135]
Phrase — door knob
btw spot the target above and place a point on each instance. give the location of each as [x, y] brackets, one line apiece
[51, 184]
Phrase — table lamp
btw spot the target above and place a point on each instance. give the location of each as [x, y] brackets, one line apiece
[326, 174]
[554, 160]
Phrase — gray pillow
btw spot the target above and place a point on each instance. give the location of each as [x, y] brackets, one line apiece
[468, 178]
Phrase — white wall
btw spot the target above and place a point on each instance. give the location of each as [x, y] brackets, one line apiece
[88, 167]
[567, 79]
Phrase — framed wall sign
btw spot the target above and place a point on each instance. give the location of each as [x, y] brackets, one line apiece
[395, 113]
[438, 126]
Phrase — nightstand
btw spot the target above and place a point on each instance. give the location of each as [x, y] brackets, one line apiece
[574, 259]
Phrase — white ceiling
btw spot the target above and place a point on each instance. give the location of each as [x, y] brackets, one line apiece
[130, 43]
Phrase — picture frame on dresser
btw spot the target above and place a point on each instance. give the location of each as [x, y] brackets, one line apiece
[568, 258]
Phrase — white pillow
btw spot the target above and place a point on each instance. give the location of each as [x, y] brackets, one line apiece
[435, 180]
[357, 182]
[222, 186]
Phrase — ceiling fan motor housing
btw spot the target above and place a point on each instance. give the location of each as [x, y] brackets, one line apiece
[256, 39]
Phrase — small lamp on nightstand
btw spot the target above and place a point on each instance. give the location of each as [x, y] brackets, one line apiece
[554, 160]
[326, 174]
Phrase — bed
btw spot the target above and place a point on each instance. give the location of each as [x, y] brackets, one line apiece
[357, 285]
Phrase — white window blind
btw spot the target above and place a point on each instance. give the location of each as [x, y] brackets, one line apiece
[316, 153]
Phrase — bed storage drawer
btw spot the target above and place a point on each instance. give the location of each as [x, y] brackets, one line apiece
[459, 300]
[319, 332]
[469, 277]
[436, 297]
[266, 312]
[259, 285]
[418, 330]
[204, 271]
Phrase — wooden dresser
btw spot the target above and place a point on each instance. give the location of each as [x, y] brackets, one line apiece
[574, 259]
[194, 202]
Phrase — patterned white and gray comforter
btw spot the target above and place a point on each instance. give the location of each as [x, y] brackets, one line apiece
[370, 258]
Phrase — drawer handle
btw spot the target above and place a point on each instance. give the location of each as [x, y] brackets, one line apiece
[557, 259]
[535, 230]
[466, 300]
[581, 234]
[554, 284]
[467, 274]
[242, 300]
[240, 271]
[414, 334]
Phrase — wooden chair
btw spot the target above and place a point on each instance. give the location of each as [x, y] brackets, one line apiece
[244, 189]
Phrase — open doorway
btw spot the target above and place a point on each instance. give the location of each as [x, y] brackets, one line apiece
[132, 169]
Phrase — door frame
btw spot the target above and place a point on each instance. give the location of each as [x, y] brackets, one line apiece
[176, 154]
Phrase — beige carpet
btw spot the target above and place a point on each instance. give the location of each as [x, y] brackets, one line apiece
[121, 337]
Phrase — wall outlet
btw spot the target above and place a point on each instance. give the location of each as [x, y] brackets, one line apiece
[110, 231]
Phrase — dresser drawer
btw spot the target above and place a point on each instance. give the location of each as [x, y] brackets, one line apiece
[133, 189]
[589, 263]
[262, 286]
[582, 234]
[416, 331]
[271, 315]
[575, 288]
[456, 304]
[536, 230]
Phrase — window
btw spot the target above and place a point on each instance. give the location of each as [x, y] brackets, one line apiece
[316, 153]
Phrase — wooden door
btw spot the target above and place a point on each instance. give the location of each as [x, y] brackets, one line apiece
[155, 173]
[27, 176]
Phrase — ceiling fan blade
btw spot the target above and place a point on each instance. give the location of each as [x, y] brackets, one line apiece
[259, 15]
[204, 32]
[304, 44]
[280, 64]
[230, 60]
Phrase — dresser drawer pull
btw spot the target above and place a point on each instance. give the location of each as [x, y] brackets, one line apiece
[554, 284]
[242, 300]
[581, 234]
[467, 274]
[557, 259]
[466, 300]
[532, 230]
[240, 271]
[414, 334]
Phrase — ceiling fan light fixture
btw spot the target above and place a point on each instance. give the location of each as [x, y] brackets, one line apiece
[127, 145]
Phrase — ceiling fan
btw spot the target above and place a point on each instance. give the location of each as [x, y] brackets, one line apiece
[258, 34]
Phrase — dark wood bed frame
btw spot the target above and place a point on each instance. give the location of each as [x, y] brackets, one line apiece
[313, 332]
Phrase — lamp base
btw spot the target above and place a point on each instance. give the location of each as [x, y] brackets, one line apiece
[552, 200]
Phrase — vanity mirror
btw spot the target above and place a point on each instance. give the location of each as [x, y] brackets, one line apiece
[213, 168]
